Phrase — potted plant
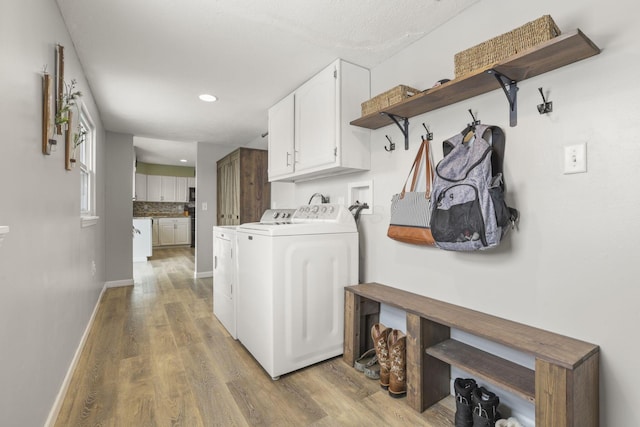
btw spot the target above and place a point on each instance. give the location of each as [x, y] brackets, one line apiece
[66, 102]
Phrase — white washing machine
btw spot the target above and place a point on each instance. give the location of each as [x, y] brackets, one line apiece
[291, 279]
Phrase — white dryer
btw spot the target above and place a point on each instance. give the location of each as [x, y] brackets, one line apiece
[225, 276]
[291, 286]
[225, 269]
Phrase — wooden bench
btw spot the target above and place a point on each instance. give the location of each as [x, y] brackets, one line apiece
[563, 386]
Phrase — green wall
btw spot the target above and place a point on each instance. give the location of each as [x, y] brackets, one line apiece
[165, 170]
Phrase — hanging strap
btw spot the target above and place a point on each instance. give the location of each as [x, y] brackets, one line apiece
[425, 150]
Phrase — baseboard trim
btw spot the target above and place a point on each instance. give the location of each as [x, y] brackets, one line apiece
[118, 283]
[202, 274]
[57, 404]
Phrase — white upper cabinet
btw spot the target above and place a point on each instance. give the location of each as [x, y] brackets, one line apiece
[158, 188]
[182, 191]
[154, 188]
[281, 138]
[309, 131]
[168, 189]
[140, 187]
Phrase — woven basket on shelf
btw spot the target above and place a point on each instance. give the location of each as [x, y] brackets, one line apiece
[388, 98]
[505, 45]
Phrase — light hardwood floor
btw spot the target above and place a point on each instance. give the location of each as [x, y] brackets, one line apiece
[156, 356]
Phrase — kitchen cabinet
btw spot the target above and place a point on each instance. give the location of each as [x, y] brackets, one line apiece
[154, 188]
[168, 189]
[182, 191]
[174, 231]
[155, 238]
[161, 188]
[157, 188]
[243, 189]
[140, 187]
[309, 132]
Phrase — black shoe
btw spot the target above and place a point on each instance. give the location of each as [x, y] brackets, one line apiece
[485, 407]
[464, 388]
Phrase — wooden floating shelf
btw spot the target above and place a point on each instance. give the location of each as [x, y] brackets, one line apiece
[550, 55]
[503, 373]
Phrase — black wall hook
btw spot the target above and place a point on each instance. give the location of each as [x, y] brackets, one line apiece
[404, 127]
[546, 106]
[429, 135]
[392, 146]
[474, 121]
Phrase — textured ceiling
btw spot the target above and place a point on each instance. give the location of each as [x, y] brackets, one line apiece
[148, 60]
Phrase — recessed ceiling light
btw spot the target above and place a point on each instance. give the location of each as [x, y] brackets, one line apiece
[183, 160]
[207, 98]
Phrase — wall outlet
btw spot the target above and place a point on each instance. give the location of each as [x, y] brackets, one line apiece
[575, 158]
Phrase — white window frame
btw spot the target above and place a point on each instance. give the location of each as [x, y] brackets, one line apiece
[86, 164]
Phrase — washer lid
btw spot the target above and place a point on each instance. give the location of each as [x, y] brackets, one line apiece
[296, 229]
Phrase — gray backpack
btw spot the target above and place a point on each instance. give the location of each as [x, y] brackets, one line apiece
[467, 199]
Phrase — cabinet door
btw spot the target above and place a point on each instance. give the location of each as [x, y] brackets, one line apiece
[221, 191]
[281, 135]
[166, 232]
[168, 188]
[234, 186]
[316, 121]
[141, 187]
[182, 232]
[155, 239]
[154, 188]
[191, 182]
[182, 192]
[229, 189]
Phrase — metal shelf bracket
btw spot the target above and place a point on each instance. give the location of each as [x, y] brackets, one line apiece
[404, 127]
[510, 88]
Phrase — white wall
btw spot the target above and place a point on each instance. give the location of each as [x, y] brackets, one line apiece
[119, 211]
[569, 268]
[47, 289]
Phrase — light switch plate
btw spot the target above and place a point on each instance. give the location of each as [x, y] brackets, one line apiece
[204, 206]
[575, 158]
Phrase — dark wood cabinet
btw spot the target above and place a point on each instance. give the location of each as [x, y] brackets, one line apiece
[243, 188]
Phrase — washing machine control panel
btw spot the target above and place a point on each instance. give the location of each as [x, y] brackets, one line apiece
[326, 212]
[277, 216]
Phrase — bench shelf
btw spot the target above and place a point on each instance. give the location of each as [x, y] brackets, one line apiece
[563, 386]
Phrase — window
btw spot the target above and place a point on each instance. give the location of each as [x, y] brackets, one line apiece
[86, 162]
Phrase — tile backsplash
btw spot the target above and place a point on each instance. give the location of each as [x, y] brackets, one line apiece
[158, 208]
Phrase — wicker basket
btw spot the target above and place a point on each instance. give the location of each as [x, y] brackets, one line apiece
[505, 45]
[388, 98]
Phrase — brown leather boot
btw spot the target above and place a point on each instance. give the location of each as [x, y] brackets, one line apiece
[397, 344]
[380, 335]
